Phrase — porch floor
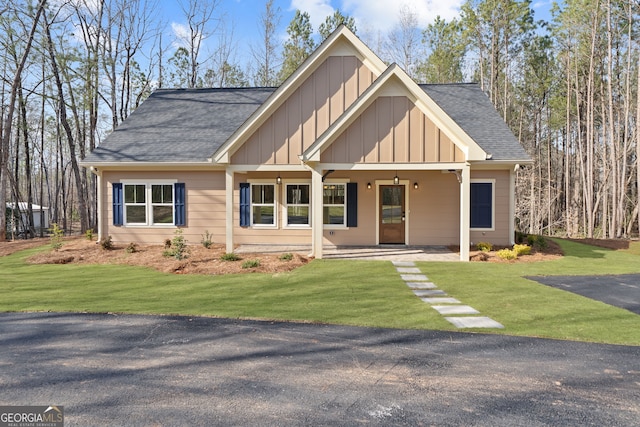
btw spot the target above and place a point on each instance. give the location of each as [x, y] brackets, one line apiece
[372, 253]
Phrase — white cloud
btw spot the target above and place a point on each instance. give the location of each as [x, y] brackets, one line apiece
[383, 15]
[318, 10]
[181, 34]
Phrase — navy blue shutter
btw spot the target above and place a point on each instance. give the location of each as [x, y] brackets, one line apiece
[481, 206]
[179, 204]
[117, 203]
[352, 204]
[245, 204]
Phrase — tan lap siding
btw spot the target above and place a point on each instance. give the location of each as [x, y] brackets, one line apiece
[500, 236]
[434, 209]
[205, 207]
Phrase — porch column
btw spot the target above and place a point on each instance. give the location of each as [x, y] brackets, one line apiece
[100, 206]
[229, 210]
[316, 213]
[465, 212]
[512, 206]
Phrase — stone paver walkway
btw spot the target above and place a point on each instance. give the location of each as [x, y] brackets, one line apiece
[461, 316]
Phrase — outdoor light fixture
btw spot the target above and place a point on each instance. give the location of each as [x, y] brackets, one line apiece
[396, 180]
[368, 186]
[278, 180]
[415, 185]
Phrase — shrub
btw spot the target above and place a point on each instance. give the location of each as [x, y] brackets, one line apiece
[206, 239]
[167, 243]
[484, 247]
[521, 237]
[229, 256]
[132, 248]
[106, 243]
[522, 249]
[537, 242]
[177, 247]
[507, 254]
[89, 234]
[286, 257]
[251, 263]
[56, 236]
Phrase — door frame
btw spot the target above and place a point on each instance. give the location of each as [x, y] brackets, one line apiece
[407, 207]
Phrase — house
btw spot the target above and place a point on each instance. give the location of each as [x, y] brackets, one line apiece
[348, 151]
[17, 214]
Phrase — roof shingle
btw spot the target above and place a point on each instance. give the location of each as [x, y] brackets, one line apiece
[472, 110]
[180, 125]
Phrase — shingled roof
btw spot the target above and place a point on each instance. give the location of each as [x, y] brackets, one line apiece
[179, 125]
[472, 110]
[189, 125]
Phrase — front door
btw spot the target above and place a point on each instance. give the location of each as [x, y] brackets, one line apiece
[391, 215]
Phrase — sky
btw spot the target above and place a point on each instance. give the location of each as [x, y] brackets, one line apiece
[370, 15]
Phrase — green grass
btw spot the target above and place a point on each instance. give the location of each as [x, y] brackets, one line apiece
[362, 293]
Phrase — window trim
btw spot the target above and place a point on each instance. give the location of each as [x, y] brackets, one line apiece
[276, 194]
[491, 181]
[285, 204]
[342, 226]
[148, 183]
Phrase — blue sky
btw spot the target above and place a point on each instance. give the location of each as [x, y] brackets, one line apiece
[371, 15]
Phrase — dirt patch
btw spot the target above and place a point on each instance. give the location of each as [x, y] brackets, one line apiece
[200, 260]
[7, 248]
[551, 252]
[615, 244]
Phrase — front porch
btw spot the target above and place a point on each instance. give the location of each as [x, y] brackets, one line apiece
[370, 253]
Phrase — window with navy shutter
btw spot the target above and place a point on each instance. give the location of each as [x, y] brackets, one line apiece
[149, 204]
[117, 203]
[352, 204]
[179, 205]
[481, 205]
[245, 204]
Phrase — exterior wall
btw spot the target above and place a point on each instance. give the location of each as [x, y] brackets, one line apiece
[432, 210]
[279, 234]
[205, 202]
[308, 112]
[392, 129]
[500, 235]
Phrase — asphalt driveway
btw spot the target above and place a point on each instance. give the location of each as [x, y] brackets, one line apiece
[112, 370]
[621, 290]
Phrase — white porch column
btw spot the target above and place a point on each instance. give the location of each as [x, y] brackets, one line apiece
[316, 213]
[100, 207]
[229, 210]
[465, 212]
[512, 206]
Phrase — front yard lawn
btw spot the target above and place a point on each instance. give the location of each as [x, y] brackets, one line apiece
[362, 293]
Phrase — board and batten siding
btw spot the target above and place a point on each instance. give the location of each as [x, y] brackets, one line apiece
[307, 113]
[392, 130]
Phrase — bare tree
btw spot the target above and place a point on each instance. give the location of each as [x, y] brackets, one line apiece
[7, 123]
[265, 53]
[403, 44]
[199, 15]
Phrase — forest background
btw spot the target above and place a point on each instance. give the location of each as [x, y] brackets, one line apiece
[567, 85]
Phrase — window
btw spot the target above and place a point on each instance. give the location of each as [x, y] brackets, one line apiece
[333, 209]
[263, 204]
[482, 204]
[297, 208]
[135, 204]
[162, 204]
[148, 204]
